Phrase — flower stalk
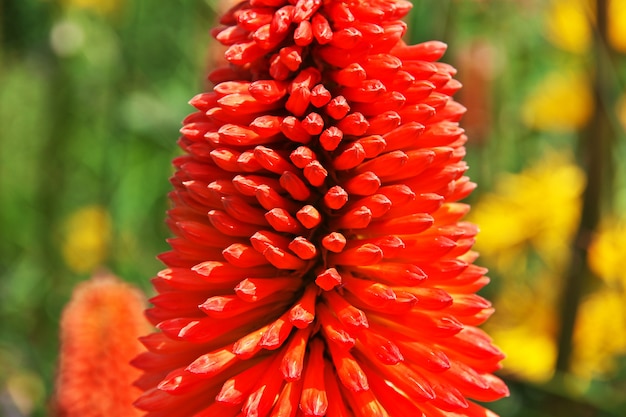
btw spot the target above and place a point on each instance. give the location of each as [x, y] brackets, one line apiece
[596, 147]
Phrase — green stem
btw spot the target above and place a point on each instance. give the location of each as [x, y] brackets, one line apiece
[595, 148]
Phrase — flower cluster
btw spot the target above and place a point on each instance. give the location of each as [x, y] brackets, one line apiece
[320, 264]
[99, 330]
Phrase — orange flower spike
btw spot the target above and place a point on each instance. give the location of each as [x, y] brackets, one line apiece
[100, 327]
[317, 228]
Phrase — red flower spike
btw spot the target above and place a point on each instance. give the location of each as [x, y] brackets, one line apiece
[320, 264]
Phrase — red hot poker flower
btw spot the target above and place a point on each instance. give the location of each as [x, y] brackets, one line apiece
[320, 264]
[99, 331]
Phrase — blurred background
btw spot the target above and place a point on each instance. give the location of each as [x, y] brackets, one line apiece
[92, 93]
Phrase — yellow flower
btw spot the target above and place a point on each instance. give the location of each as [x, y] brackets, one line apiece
[563, 101]
[87, 233]
[600, 334]
[538, 208]
[527, 334]
[535, 211]
[607, 253]
[617, 25]
[530, 355]
[568, 25]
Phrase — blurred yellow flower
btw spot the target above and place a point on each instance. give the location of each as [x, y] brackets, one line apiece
[87, 233]
[607, 253]
[524, 329]
[600, 334]
[567, 25]
[530, 354]
[617, 25]
[538, 208]
[535, 211]
[562, 101]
